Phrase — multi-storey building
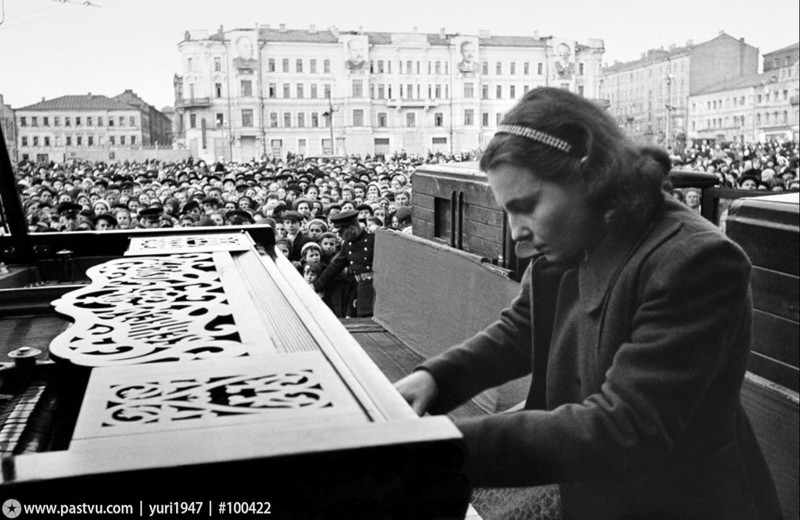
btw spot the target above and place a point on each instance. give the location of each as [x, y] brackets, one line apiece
[156, 126]
[83, 126]
[757, 107]
[649, 96]
[8, 127]
[248, 93]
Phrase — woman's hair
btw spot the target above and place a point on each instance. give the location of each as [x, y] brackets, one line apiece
[622, 181]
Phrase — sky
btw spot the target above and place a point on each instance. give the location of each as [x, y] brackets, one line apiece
[50, 48]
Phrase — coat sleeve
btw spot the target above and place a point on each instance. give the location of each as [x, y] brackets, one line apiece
[689, 330]
[498, 354]
[338, 263]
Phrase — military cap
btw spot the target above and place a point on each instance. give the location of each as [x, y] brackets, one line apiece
[69, 208]
[151, 212]
[106, 216]
[345, 218]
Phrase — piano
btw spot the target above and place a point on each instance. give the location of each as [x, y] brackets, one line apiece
[201, 368]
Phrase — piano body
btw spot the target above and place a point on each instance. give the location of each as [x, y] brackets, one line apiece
[195, 367]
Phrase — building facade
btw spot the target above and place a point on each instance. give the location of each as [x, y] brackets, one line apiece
[649, 96]
[86, 127]
[9, 128]
[250, 93]
[758, 107]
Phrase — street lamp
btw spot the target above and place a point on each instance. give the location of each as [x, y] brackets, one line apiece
[329, 114]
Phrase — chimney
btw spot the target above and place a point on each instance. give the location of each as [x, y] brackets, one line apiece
[721, 33]
[282, 27]
[220, 30]
[484, 34]
[442, 32]
[312, 29]
[335, 31]
[535, 35]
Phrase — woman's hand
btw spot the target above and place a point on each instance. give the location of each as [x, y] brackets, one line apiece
[419, 390]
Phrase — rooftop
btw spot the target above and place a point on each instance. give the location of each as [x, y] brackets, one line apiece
[81, 102]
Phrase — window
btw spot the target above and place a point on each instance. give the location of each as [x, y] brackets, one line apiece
[497, 118]
[23, 121]
[218, 90]
[69, 140]
[46, 120]
[313, 91]
[287, 119]
[469, 117]
[57, 121]
[247, 88]
[526, 68]
[512, 92]
[580, 69]
[580, 90]
[485, 67]
[411, 119]
[314, 120]
[247, 117]
[25, 140]
[300, 91]
[272, 90]
[380, 66]
[312, 66]
[499, 91]
[78, 121]
[121, 121]
[540, 68]
[271, 65]
[358, 88]
[219, 119]
[469, 90]
[273, 120]
[380, 91]
[301, 120]
[438, 119]
[382, 119]
[192, 120]
[299, 65]
[285, 65]
[409, 91]
[485, 119]
[437, 68]
[327, 91]
[287, 91]
[133, 121]
[217, 64]
[358, 117]
[409, 67]
[499, 68]
[513, 68]
[437, 92]
[326, 66]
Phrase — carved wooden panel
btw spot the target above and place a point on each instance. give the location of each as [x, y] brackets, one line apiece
[279, 390]
[162, 308]
[188, 244]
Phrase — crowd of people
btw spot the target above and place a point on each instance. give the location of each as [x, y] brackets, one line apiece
[300, 198]
[770, 166]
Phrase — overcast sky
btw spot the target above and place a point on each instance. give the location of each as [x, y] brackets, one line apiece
[50, 48]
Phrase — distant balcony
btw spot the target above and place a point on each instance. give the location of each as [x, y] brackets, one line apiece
[194, 102]
[412, 103]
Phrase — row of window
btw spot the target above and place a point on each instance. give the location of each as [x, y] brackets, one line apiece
[776, 96]
[78, 140]
[316, 120]
[78, 121]
[379, 91]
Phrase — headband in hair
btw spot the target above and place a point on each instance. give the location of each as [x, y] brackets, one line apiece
[535, 135]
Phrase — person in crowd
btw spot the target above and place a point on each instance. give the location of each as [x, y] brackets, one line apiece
[634, 318]
[692, 199]
[105, 221]
[357, 251]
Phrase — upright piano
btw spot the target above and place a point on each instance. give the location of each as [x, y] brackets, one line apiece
[197, 368]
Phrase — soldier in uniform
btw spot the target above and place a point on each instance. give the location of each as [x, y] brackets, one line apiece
[358, 248]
